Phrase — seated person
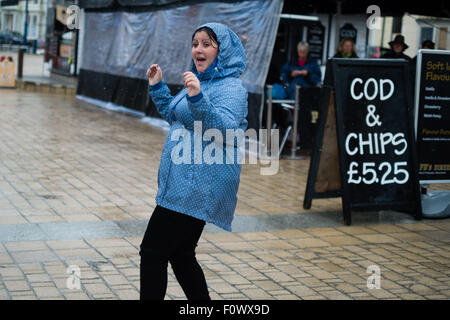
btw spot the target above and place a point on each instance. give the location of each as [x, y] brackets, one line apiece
[303, 72]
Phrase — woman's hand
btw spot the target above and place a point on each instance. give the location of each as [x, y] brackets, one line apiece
[296, 73]
[191, 83]
[154, 74]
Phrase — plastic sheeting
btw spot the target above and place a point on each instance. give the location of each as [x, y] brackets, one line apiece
[127, 43]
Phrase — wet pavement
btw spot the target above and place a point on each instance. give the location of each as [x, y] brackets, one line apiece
[77, 187]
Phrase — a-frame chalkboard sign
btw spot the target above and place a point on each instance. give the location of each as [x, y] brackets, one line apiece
[432, 115]
[365, 148]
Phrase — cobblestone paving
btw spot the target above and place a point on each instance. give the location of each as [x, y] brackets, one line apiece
[77, 187]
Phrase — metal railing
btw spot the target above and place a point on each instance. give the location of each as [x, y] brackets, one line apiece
[15, 48]
[288, 104]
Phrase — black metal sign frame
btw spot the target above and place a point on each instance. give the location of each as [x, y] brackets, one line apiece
[311, 192]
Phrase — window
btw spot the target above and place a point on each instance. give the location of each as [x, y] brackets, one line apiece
[8, 22]
[396, 25]
[33, 27]
[426, 33]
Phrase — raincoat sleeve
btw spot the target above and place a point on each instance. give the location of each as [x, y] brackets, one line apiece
[162, 98]
[226, 110]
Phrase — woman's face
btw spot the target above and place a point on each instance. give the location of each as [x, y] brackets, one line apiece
[347, 47]
[302, 54]
[204, 51]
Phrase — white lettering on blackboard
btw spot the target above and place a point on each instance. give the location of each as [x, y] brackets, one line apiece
[363, 143]
[372, 94]
[352, 89]
[369, 174]
[351, 171]
[391, 91]
[366, 89]
[375, 143]
[385, 139]
[368, 169]
[347, 144]
[372, 119]
[400, 141]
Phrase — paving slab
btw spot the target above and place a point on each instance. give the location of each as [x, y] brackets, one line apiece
[77, 187]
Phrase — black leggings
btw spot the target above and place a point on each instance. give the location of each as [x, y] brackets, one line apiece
[171, 237]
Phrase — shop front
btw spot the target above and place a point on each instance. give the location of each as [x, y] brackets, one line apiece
[61, 40]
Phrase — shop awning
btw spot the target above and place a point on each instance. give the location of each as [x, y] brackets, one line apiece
[435, 8]
[108, 4]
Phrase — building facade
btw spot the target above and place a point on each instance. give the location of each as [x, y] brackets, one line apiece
[13, 18]
[416, 29]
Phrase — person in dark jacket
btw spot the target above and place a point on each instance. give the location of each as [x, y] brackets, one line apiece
[398, 46]
[303, 72]
[346, 49]
[427, 44]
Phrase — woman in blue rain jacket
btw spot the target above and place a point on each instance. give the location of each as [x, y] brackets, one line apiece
[192, 189]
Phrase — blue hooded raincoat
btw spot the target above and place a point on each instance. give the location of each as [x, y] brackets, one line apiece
[206, 191]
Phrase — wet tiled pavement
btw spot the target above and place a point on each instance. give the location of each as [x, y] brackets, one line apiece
[77, 187]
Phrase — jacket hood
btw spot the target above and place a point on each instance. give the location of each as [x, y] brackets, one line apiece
[231, 57]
